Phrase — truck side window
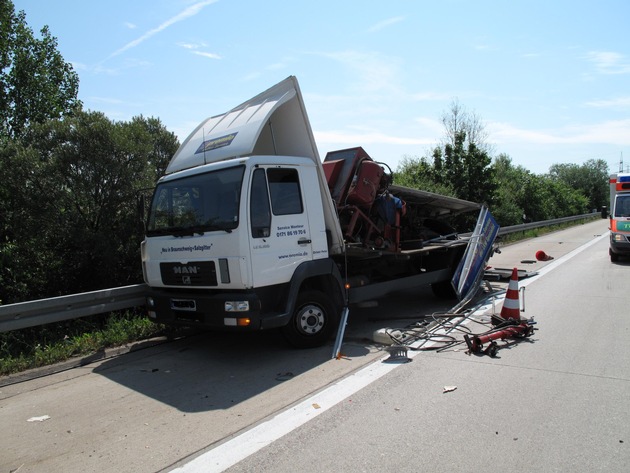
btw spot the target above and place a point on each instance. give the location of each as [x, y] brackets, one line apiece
[260, 214]
[284, 187]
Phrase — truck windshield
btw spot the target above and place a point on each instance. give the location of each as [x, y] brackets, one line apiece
[197, 204]
[622, 206]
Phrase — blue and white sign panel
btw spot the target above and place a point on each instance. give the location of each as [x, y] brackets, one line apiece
[471, 268]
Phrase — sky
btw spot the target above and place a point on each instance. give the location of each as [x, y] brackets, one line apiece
[550, 80]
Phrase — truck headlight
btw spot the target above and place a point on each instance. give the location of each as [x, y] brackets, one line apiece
[236, 306]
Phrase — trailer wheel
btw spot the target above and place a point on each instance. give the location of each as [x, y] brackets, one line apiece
[313, 322]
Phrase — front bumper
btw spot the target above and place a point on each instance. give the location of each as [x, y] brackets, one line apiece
[223, 310]
[620, 243]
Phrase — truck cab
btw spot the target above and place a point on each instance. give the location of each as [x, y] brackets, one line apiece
[250, 230]
[241, 227]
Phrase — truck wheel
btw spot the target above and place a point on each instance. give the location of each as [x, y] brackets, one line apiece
[313, 322]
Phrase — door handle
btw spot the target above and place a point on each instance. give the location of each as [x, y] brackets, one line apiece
[304, 242]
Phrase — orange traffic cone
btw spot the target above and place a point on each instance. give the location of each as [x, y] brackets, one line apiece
[542, 256]
[511, 309]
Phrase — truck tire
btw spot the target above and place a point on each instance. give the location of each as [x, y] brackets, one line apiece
[313, 322]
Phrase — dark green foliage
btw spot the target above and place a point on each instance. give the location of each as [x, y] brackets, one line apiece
[514, 195]
[460, 169]
[48, 344]
[466, 168]
[71, 210]
[35, 82]
[509, 196]
[590, 178]
[420, 174]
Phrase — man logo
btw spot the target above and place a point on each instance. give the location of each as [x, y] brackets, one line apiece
[186, 279]
[186, 269]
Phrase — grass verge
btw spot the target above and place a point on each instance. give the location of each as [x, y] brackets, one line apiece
[45, 345]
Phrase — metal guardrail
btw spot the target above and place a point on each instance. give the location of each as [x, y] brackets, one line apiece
[545, 223]
[56, 309]
[45, 311]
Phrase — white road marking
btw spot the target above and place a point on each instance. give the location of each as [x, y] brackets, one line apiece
[231, 452]
[563, 259]
[238, 448]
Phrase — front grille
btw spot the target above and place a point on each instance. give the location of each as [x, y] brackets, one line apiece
[194, 273]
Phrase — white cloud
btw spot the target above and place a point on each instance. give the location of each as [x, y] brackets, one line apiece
[608, 62]
[99, 68]
[612, 131]
[385, 23]
[251, 76]
[192, 45]
[619, 102]
[188, 12]
[436, 127]
[107, 100]
[194, 49]
[365, 137]
[129, 25]
[430, 96]
[277, 66]
[205, 54]
[372, 71]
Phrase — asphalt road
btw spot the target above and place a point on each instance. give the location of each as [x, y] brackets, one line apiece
[556, 401]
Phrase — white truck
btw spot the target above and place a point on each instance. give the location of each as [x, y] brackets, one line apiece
[248, 229]
[619, 216]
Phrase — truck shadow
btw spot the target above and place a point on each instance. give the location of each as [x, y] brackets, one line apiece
[218, 370]
[212, 370]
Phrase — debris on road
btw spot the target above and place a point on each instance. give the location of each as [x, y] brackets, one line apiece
[542, 256]
[397, 354]
[284, 376]
[38, 418]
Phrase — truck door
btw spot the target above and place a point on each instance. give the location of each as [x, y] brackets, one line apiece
[280, 237]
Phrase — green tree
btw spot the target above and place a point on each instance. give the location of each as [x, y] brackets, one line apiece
[461, 166]
[35, 82]
[76, 217]
[419, 173]
[463, 160]
[590, 178]
[508, 206]
[524, 196]
[468, 169]
[22, 257]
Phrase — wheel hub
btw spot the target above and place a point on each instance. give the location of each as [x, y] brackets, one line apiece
[311, 319]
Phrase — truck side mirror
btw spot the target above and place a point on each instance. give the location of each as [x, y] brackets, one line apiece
[604, 211]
